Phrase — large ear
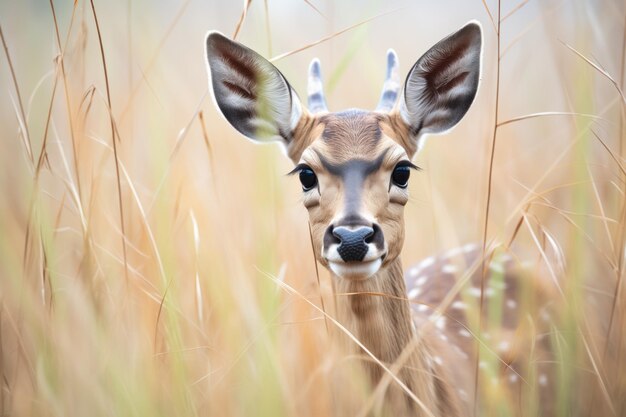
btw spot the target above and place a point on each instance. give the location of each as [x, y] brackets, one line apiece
[252, 94]
[442, 84]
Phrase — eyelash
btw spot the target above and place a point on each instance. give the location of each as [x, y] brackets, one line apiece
[307, 176]
[401, 174]
[309, 181]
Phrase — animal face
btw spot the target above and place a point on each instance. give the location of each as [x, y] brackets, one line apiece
[353, 165]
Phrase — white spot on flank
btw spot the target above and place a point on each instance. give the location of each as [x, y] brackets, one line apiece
[449, 269]
[458, 305]
[465, 333]
[461, 352]
[427, 262]
[543, 380]
[482, 364]
[414, 293]
[443, 337]
[513, 378]
[475, 291]
[545, 315]
[441, 323]
[454, 252]
[511, 304]
[470, 247]
[497, 267]
[438, 360]
[463, 394]
[421, 281]
[422, 307]
[504, 346]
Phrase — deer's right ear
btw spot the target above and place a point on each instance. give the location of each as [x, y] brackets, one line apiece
[251, 93]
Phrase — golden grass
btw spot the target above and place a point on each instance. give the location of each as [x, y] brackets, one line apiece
[153, 262]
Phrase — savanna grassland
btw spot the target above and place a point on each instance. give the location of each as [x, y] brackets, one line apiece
[155, 263]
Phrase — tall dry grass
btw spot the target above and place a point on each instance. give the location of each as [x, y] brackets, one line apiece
[153, 262]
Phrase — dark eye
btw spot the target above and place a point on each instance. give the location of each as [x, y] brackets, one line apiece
[400, 175]
[307, 178]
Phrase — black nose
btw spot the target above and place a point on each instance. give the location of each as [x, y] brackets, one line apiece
[353, 242]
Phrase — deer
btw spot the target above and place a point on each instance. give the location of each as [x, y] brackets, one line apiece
[354, 167]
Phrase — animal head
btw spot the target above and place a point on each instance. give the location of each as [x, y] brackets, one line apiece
[354, 165]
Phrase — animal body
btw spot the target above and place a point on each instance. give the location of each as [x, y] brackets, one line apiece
[354, 167]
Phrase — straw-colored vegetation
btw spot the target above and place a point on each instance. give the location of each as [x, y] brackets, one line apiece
[153, 262]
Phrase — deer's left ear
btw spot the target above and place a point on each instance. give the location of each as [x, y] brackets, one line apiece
[442, 84]
[251, 93]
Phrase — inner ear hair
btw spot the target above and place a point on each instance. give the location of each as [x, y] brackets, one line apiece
[252, 94]
[442, 84]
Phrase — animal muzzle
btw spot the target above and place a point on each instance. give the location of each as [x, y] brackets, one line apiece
[354, 242]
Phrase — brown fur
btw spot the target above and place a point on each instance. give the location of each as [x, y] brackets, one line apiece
[353, 154]
[351, 134]
[382, 323]
[376, 310]
[395, 127]
[307, 130]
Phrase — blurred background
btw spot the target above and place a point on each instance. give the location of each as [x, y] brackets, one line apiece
[142, 238]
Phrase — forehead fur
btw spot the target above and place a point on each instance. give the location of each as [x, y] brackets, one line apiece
[351, 133]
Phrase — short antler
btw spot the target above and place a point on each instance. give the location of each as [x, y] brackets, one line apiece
[315, 89]
[392, 84]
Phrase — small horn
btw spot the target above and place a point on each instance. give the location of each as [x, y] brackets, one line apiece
[392, 84]
[315, 89]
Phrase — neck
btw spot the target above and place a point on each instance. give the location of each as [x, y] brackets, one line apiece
[377, 312]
